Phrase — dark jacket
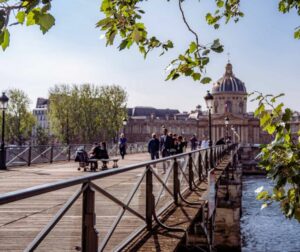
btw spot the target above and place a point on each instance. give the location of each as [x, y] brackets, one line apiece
[166, 142]
[153, 145]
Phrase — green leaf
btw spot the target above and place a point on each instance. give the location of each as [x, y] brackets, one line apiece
[262, 195]
[216, 26]
[205, 80]
[175, 76]
[4, 39]
[220, 3]
[265, 119]
[297, 34]
[193, 47]
[270, 129]
[196, 76]
[46, 21]
[20, 17]
[123, 44]
[216, 46]
[259, 110]
[205, 52]
[32, 18]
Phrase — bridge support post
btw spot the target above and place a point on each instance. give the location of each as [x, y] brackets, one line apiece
[228, 210]
[175, 182]
[149, 198]
[89, 239]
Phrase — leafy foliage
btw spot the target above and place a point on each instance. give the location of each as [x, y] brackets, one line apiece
[280, 158]
[19, 119]
[86, 113]
[42, 136]
[31, 12]
[122, 22]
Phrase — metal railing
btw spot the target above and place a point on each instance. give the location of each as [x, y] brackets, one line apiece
[36, 154]
[183, 172]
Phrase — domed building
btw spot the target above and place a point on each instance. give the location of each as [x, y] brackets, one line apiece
[230, 101]
[230, 95]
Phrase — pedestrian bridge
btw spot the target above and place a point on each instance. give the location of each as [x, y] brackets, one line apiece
[138, 206]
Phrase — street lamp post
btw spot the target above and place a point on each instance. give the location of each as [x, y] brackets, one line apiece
[226, 120]
[124, 124]
[209, 104]
[3, 106]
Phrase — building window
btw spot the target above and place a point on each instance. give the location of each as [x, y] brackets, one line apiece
[228, 107]
[216, 107]
[241, 108]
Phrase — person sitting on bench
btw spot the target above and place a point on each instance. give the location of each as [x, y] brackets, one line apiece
[95, 154]
[103, 151]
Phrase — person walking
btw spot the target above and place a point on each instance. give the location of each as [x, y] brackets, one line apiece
[193, 141]
[122, 145]
[166, 142]
[165, 145]
[153, 147]
[180, 145]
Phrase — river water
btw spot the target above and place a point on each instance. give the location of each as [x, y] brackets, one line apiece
[267, 229]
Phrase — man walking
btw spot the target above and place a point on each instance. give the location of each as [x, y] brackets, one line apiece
[153, 147]
[165, 146]
[194, 141]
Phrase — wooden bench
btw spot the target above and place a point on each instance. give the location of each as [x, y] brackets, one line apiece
[104, 163]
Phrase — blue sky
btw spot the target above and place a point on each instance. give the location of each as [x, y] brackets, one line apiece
[263, 53]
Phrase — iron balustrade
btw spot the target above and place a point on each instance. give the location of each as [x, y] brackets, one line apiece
[184, 172]
[36, 154]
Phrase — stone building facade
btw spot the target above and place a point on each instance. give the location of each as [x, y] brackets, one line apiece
[41, 114]
[230, 100]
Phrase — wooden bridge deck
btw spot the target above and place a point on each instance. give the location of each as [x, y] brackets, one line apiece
[21, 221]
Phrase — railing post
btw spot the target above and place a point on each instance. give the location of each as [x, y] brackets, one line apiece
[29, 156]
[200, 166]
[175, 181]
[191, 173]
[206, 162]
[149, 198]
[89, 235]
[69, 153]
[51, 154]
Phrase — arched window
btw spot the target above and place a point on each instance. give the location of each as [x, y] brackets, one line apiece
[228, 107]
[241, 108]
[216, 107]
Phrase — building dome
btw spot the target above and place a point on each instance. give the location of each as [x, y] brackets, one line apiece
[229, 83]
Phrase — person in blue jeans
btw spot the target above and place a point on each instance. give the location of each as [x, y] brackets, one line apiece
[122, 145]
[153, 147]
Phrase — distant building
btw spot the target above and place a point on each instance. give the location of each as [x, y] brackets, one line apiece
[230, 99]
[41, 114]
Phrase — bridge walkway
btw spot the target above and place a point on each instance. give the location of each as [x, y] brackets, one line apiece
[25, 216]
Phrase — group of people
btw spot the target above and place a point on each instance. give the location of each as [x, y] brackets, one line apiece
[99, 151]
[168, 144]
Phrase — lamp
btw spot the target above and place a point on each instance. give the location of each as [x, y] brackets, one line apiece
[3, 105]
[209, 104]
